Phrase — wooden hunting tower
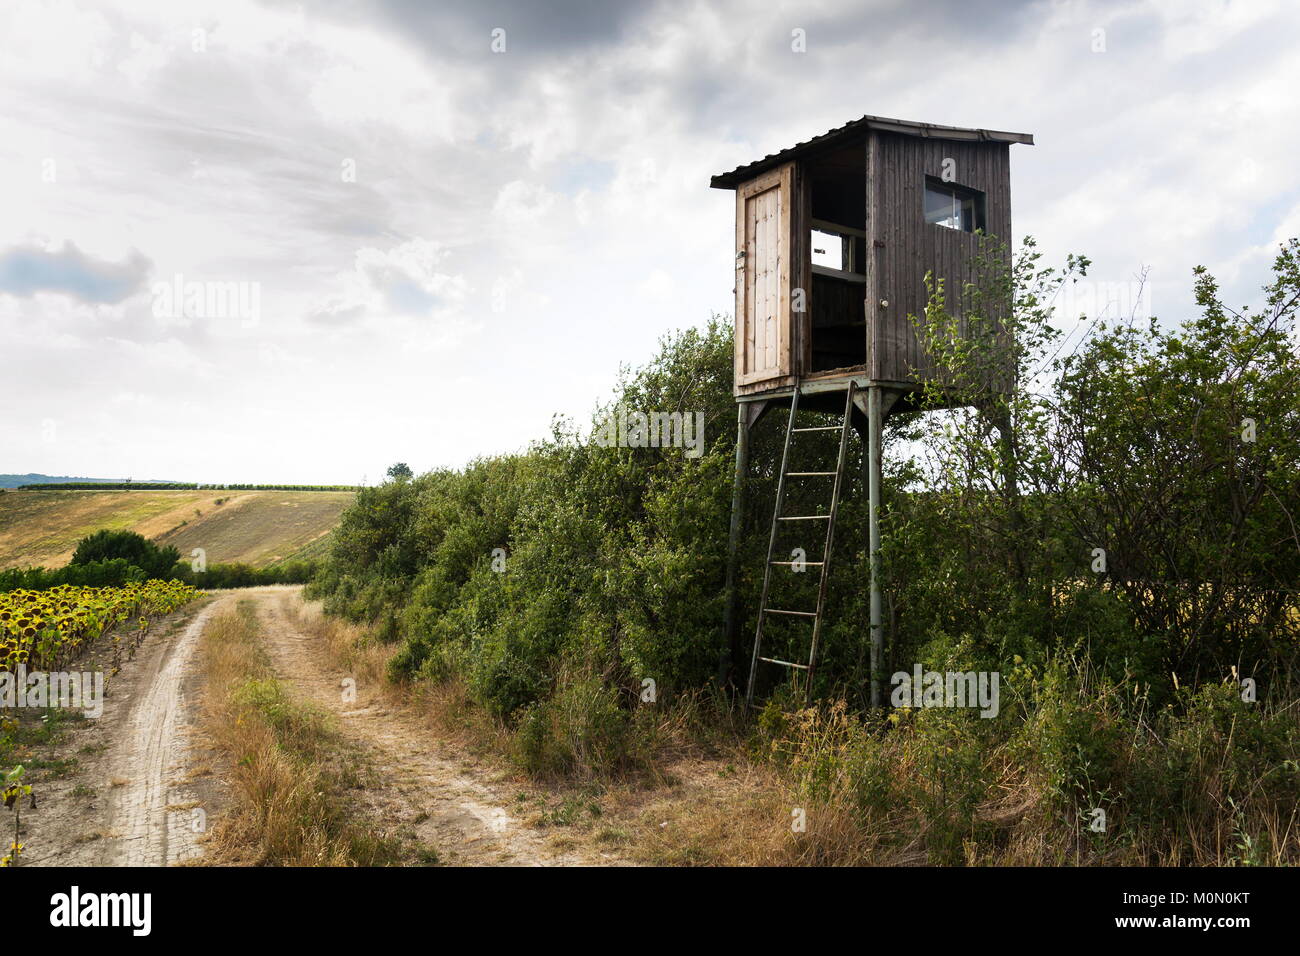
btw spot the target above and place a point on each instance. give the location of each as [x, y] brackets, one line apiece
[834, 238]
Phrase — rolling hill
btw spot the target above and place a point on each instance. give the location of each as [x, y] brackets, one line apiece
[42, 528]
[17, 481]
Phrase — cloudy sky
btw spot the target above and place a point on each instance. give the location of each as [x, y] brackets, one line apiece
[427, 228]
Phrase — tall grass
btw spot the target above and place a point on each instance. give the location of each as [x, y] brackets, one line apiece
[292, 782]
[1075, 772]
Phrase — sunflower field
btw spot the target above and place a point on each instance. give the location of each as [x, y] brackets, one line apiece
[46, 630]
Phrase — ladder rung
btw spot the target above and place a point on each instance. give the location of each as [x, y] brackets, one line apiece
[824, 564]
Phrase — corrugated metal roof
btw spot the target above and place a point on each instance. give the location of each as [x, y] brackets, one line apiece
[857, 128]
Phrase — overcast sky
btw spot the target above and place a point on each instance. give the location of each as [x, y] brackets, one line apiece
[439, 246]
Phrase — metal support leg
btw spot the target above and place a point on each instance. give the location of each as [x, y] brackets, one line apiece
[874, 422]
[731, 651]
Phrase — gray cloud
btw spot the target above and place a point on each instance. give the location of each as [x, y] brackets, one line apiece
[873, 27]
[507, 207]
[532, 29]
[26, 270]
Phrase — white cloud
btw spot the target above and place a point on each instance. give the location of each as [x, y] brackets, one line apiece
[520, 202]
[547, 207]
[402, 280]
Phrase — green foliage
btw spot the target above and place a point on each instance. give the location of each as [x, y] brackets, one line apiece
[583, 724]
[217, 576]
[1206, 778]
[117, 571]
[551, 583]
[112, 572]
[609, 558]
[14, 790]
[129, 546]
[1175, 450]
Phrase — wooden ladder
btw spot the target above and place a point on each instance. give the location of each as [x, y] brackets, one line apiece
[825, 563]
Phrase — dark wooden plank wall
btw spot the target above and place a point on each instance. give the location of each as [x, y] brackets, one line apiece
[800, 270]
[903, 247]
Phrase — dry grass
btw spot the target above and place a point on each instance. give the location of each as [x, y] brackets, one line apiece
[290, 775]
[709, 790]
[349, 645]
[42, 528]
[700, 800]
[663, 736]
[446, 706]
[260, 528]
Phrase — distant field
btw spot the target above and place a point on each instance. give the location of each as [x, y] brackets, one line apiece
[41, 528]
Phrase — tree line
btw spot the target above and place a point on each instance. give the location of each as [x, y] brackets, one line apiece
[114, 558]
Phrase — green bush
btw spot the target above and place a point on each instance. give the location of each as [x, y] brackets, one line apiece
[582, 726]
[216, 576]
[612, 560]
[129, 546]
[614, 557]
[111, 572]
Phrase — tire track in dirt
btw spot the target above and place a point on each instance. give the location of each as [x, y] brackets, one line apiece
[447, 806]
[143, 762]
[153, 760]
[135, 758]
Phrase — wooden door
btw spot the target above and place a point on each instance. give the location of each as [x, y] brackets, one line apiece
[764, 212]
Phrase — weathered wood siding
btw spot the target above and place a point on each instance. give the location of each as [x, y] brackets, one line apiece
[774, 341]
[771, 265]
[761, 217]
[902, 247]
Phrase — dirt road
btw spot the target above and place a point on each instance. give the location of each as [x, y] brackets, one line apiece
[128, 793]
[144, 788]
[451, 802]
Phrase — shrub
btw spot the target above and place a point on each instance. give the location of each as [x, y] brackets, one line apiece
[129, 546]
[993, 513]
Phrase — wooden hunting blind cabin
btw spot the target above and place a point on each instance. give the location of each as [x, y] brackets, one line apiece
[834, 238]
